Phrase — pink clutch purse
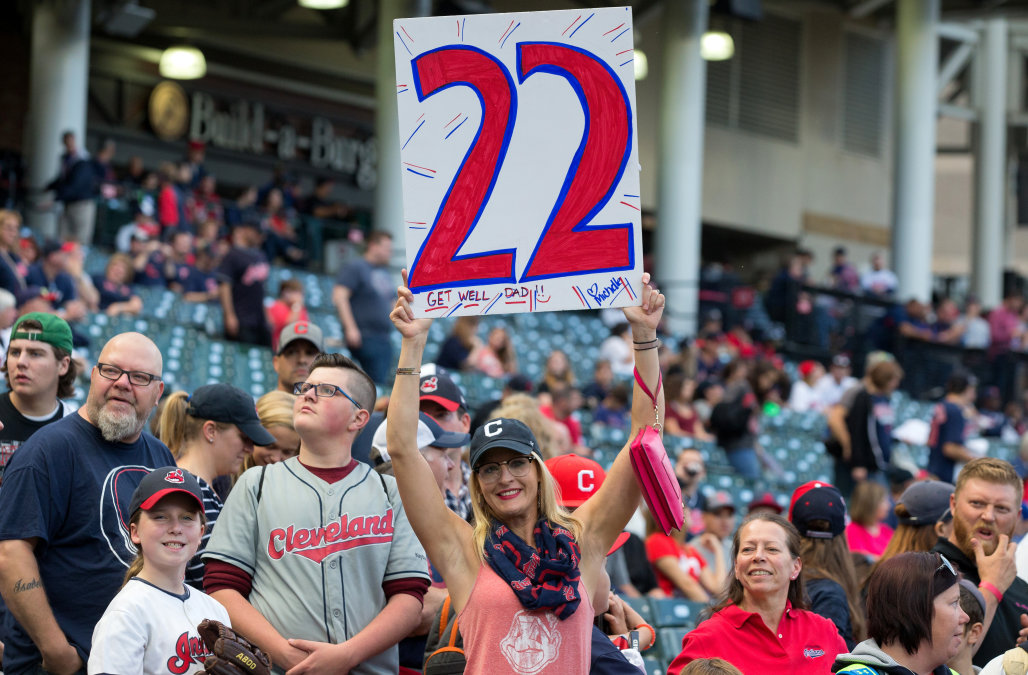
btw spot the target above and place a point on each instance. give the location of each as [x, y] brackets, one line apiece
[653, 471]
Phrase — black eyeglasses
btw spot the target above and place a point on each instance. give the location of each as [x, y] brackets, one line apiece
[138, 378]
[946, 565]
[323, 390]
[491, 471]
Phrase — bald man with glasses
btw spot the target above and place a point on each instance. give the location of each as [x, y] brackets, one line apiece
[64, 507]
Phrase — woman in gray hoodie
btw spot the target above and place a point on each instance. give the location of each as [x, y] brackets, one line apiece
[914, 619]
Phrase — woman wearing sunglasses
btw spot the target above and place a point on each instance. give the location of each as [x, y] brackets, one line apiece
[521, 579]
[914, 618]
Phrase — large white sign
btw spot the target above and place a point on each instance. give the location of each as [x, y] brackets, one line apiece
[520, 161]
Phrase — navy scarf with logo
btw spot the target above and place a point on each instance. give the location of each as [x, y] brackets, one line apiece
[545, 577]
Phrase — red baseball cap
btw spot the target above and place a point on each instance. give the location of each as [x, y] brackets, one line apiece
[578, 478]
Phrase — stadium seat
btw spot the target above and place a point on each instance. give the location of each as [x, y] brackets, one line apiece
[676, 612]
[643, 607]
[653, 666]
[669, 642]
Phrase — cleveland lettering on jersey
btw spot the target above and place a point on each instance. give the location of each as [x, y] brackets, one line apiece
[318, 543]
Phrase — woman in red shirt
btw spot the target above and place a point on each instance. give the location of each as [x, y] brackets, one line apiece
[761, 625]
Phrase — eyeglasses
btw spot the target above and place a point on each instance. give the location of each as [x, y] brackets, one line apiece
[323, 390]
[135, 377]
[946, 565]
[490, 472]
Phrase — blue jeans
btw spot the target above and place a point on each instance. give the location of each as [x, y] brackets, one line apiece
[375, 356]
[745, 462]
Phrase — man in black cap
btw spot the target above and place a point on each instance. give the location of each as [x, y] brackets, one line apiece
[298, 344]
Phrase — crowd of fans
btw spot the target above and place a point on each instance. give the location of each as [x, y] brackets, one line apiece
[886, 568]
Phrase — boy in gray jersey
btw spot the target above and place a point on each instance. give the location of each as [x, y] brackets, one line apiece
[313, 557]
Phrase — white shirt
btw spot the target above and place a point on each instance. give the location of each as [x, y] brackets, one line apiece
[829, 392]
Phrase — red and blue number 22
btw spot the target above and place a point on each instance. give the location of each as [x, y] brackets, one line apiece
[568, 244]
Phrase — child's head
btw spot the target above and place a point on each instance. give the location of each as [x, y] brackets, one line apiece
[167, 519]
[973, 604]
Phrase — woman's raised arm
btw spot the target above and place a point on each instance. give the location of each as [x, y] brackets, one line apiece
[442, 532]
[608, 511]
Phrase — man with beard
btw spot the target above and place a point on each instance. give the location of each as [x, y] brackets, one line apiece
[64, 544]
[986, 506]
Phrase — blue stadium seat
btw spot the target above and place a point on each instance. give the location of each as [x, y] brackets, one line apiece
[669, 642]
[653, 666]
[676, 612]
[643, 607]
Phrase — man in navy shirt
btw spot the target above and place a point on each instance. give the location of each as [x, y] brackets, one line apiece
[64, 507]
[949, 427]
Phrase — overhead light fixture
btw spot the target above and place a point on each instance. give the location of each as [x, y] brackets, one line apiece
[642, 66]
[717, 45]
[183, 62]
[323, 4]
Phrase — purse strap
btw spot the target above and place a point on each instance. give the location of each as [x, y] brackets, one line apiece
[653, 396]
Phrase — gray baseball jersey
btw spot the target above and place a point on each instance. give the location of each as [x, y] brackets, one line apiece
[318, 552]
[149, 630]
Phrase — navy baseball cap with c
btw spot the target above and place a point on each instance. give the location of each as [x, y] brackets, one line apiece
[503, 432]
[162, 482]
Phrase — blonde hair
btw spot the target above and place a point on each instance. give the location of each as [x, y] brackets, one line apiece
[546, 502]
[525, 408]
[137, 563]
[178, 426]
[990, 470]
[274, 409]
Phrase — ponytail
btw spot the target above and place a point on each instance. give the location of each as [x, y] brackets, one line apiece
[177, 426]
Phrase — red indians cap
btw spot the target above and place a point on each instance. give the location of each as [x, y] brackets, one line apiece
[577, 477]
[440, 389]
[162, 482]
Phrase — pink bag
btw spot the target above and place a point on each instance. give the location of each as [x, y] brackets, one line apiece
[653, 471]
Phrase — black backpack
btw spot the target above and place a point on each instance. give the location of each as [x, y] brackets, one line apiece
[444, 648]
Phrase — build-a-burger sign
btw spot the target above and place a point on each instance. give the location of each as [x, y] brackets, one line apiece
[247, 126]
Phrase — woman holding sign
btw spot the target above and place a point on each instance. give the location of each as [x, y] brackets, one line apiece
[523, 577]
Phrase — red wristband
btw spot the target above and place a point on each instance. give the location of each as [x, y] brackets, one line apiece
[986, 586]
